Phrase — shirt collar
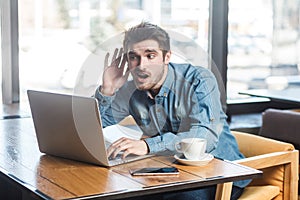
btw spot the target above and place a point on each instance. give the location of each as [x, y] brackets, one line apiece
[166, 87]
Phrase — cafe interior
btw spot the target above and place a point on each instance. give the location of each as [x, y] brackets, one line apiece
[252, 47]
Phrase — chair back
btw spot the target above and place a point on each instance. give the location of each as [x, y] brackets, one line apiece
[283, 125]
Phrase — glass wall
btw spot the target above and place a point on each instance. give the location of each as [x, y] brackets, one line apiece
[263, 45]
[57, 36]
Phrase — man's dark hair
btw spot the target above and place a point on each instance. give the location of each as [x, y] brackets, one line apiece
[147, 31]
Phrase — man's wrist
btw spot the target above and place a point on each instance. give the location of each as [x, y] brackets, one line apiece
[106, 92]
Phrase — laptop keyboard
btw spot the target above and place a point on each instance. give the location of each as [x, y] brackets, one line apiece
[118, 159]
[119, 156]
[107, 144]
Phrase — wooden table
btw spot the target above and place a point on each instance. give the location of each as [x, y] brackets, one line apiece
[27, 173]
[289, 95]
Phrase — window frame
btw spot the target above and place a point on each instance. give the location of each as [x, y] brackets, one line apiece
[10, 52]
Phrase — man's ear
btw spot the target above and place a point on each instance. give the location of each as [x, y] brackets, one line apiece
[167, 57]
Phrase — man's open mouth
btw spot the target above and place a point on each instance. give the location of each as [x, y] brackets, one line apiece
[142, 75]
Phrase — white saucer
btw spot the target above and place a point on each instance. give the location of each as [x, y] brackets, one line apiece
[204, 161]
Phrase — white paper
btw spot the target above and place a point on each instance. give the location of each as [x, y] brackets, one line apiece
[115, 132]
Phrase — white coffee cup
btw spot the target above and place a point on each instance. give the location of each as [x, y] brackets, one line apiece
[192, 148]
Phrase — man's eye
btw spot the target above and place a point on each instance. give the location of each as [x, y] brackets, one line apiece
[150, 56]
[133, 57]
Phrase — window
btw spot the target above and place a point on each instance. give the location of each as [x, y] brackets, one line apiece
[57, 36]
[263, 45]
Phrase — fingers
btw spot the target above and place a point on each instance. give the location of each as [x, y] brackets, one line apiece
[127, 146]
[115, 148]
[106, 61]
[114, 55]
[122, 66]
[120, 53]
[116, 59]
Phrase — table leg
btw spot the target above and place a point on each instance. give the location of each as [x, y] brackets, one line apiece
[223, 191]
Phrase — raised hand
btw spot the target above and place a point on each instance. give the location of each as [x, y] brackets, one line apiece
[114, 75]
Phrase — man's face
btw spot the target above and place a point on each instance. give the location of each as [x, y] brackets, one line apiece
[147, 65]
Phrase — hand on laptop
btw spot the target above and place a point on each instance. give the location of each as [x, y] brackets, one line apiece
[127, 146]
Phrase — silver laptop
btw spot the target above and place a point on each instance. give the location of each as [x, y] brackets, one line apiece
[70, 126]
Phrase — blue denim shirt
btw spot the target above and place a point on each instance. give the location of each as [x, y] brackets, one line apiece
[187, 105]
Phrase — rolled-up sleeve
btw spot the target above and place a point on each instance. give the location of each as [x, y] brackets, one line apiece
[103, 100]
[105, 103]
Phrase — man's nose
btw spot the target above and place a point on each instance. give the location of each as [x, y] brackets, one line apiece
[142, 63]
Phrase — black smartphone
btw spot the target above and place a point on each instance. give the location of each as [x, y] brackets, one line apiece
[155, 171]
